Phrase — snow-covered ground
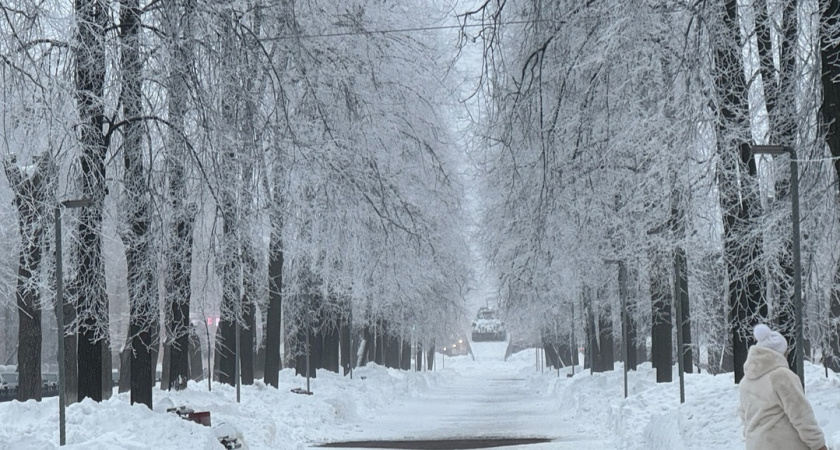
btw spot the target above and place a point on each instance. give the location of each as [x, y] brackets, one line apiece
[485, 396]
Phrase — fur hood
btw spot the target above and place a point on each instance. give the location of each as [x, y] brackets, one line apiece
[761, 361]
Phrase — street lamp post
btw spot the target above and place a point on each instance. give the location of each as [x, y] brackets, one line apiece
[774, 150]
[59, 313]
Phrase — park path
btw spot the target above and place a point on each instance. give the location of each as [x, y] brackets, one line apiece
[484, 398]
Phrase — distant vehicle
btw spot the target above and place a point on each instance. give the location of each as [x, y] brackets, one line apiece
[9, 381]
[50, 380]
[459, 346]
[487, 326]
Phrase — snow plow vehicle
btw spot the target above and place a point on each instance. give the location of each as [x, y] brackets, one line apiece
[487, 326]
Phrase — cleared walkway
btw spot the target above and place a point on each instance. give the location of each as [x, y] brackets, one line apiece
[486, 398]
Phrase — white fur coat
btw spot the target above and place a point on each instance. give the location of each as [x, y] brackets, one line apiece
[774, 410]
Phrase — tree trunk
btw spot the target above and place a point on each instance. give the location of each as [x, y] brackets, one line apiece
[661, 351]
[366, 346]
[346, 343]
[143, 305]
[830, 112]
[684, 320]
[125, 369]
[196, 358]
[391, 350]
[230, 167]
[606, 342]
[275, 303]
[781, 115]
[405, 355]
[92, 301]
[738, 251]
[430, 357]
[166, 383]
[224, 366]
[249, 316]
[107, 375]
[552, 359]
[178, 23]
[330, 351]
[32, 193]
[71, 345]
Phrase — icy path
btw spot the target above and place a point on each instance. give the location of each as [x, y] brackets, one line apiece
[487, 397]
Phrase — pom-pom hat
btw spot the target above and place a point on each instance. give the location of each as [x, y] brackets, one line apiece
[770, 339]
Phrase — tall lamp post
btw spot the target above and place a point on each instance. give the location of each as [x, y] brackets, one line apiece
[774, 150]
[59, 312]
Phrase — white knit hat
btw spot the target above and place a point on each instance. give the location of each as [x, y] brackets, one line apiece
[770, 339]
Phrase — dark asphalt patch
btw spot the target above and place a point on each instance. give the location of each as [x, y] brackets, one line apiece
[439, 444]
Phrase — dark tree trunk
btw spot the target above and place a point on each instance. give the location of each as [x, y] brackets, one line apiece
[225, 351]
[405, 356]
[684, 320]
[379, 342]
[595, 352]
[196, 359]
[32, 193]
[392, 351]
[248, 332]
[606, 343]
[830, 112]
[166, 382]
[246, 336]
[661, 343]
[552, 359]
[418, 358]
[143, 305]
[749, 305]
[176, 360]
[125, 369]
[275, 302]
[739, 249]
[154, 351]
[311, 320]
[366, 346]
[178, 297]
[230, 171]
[314, 355]
[780, 108]
[92, 301]
[71, 345]
[330, 350]
[107, 362]
[345, 343]
[630, 346]
[638, 340]
[430, 357]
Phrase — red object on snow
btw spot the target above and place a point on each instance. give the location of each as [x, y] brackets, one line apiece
[200, 417]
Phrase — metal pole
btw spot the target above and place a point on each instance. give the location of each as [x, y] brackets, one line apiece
[59, 315]
[797, 266]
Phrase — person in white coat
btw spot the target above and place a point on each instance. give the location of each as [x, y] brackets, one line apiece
[773, 409]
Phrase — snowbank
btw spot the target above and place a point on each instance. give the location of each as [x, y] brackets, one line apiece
[586, 406]
[266, 417]
[653, 418]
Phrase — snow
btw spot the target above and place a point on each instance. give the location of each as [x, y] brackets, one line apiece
[471, 397]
